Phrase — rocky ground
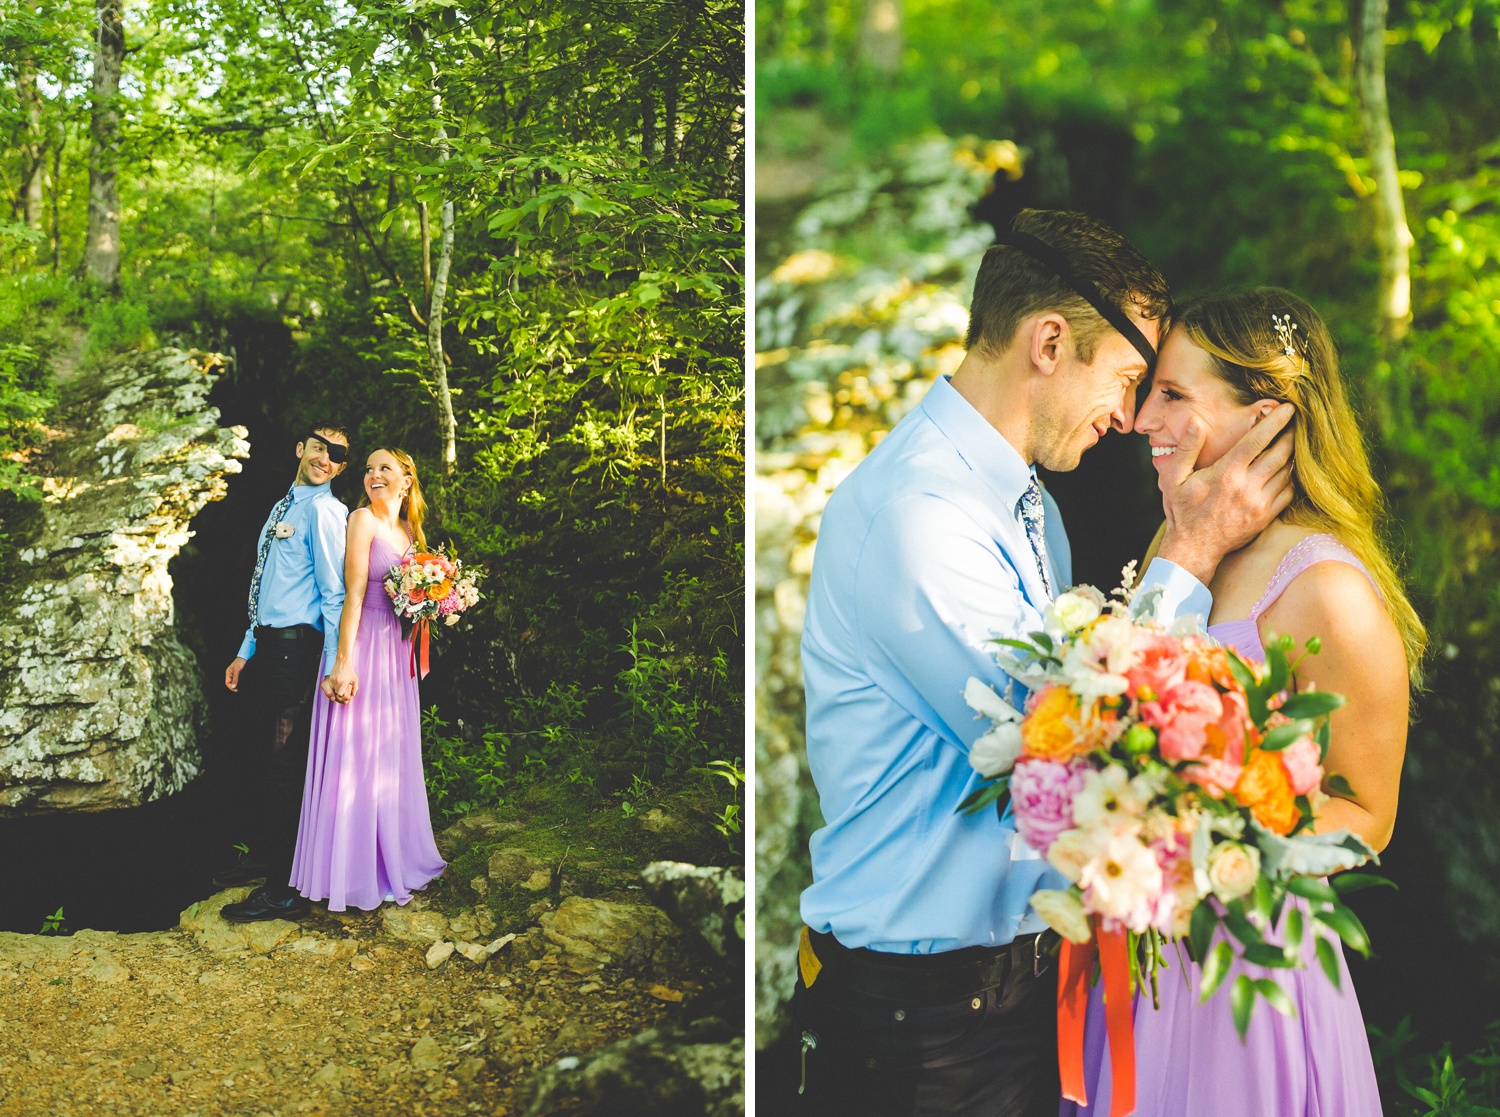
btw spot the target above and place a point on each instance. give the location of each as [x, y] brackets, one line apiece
[597, 1003]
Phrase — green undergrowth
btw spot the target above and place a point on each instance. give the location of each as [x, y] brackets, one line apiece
[1416, 1081]
[583, 840]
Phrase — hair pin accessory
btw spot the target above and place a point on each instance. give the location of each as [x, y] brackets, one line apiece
[1284, 330]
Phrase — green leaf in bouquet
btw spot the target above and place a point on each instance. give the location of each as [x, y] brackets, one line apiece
[1294, 928]
[1348, 927]
[1316, 855]
[1201, 930]
[1277, 670]
[1263, 899]
[1283, 735]
[1312, 704]
[1275, 996]
[1328, 959]
[1242, 1003]
[1240, 927]
[1280, 893]
[1023, 645]
[1346, 883]
[983, 795]
[1255, 696]
[1043, 641]
[1322, 737]
[1272, 957]
[1215, 970]
[1338, 785]
[1311, 888]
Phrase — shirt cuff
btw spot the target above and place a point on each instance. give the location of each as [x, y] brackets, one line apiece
[247, 645]
[1182, 595]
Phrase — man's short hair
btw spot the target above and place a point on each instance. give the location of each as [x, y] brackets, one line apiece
[1012, 286]
[327, 428]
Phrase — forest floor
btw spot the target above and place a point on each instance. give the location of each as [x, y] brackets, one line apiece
[358, 1013]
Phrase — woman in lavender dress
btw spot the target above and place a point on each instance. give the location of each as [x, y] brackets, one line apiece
[366, 835]
[1319, 570]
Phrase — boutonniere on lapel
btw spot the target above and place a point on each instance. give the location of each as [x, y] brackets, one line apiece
[285, 530]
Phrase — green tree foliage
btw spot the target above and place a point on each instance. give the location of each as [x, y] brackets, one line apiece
[287, 162]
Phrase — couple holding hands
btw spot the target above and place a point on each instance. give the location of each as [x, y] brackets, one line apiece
[343, 813]
[927, 984]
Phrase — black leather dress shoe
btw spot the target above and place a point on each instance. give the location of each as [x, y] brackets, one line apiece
[261, 905]
[243, 872]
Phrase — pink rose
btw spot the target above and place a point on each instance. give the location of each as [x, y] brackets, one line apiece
[1223, 754]
[1041, 793]
[1301, 760]
[1181, 717]
[1160, 663]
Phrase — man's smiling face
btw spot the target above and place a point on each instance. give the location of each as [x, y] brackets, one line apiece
[1085, 400]
[315, 466]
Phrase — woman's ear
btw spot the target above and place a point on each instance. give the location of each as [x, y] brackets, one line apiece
[1265, 407]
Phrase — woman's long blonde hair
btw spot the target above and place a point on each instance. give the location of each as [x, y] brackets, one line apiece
[413, 506]
[1333, 488]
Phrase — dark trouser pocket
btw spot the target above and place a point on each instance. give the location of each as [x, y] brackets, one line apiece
[990, 1052]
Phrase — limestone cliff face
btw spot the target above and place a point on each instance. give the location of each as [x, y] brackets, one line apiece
[100, 704]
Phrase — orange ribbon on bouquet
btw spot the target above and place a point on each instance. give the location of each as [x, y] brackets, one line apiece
[1075, 964]
[419, 648]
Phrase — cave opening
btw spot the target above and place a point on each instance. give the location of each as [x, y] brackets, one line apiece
[138, 868]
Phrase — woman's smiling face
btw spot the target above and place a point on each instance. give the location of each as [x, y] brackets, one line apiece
[1186, 387]
[384, 478]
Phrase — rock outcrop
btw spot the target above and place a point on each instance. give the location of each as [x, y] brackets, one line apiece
[100, 704]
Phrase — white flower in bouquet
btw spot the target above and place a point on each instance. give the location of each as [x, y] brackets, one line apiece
[1111, 798]
[1083, 674]
[1073, 610]
[1233, 869]
[1123, 881]
[1063, 911]
[994, 753]
[1072, 850]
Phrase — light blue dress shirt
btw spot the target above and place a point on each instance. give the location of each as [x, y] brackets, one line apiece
[303, 582]
[922, 562]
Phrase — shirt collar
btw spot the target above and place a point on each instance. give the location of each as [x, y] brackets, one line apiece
[982, 447]
[307, 492]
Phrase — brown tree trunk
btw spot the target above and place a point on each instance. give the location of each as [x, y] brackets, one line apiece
[101, 251]
[880, 35]
[438, 365]
[1393, 237]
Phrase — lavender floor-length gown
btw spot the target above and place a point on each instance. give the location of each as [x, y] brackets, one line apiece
[366, 835]
[1189, 1058]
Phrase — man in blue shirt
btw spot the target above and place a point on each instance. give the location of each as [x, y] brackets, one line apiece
[925, 986]
[296, 596]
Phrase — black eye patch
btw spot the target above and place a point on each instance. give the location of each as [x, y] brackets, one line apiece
[336, 453]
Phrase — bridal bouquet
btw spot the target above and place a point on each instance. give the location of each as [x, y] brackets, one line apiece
[1175, 786]
[426, 587]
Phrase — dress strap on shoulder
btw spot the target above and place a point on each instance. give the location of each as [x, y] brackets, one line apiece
[1305, 553]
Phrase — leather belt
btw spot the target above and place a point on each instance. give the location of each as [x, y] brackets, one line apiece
[295, 632]
[931, 978]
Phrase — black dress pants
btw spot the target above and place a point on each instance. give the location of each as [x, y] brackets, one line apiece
[987, 1051]
[286, 670]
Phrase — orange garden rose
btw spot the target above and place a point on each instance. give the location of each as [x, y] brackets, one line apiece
[417, 594]
[440, 591]
[1210, 665]
[1050, 730]
[1266, 788]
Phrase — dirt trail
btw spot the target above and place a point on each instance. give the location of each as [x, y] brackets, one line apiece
[341, 1019]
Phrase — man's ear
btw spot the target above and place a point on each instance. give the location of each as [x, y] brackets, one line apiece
[1050, 341]
[299, 451]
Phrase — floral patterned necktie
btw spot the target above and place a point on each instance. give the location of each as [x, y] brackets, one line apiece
[1032, 513]
[265, 549]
